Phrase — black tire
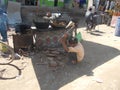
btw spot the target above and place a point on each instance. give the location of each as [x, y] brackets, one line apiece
[9, 71]
[7, 55]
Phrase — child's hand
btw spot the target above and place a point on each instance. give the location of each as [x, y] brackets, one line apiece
[65, 35]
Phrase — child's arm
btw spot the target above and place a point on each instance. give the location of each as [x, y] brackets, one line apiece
[63, 41]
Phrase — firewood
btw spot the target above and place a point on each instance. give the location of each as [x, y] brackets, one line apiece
[51, 55]
[55, 52]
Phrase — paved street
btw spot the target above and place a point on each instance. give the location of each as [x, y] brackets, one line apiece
[103, 58]
[98, 71]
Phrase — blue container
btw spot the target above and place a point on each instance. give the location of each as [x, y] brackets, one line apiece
[117, 27]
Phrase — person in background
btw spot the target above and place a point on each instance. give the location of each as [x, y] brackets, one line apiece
[107, 5]
[97, 2]
[112, 5]
[74, 48]
[3, 25]
[82, 3]
[75, 3]
[95, 16]
[102, 5]
[93, 8]
[89, 19]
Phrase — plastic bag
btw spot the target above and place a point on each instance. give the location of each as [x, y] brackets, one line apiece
[79, 36]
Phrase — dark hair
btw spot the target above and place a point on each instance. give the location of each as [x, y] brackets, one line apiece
[95, 13]
[73, 40]
[90, 9]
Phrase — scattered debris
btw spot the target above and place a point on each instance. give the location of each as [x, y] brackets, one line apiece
[51, 55]
[17, 56]
[52, 63]
[21, 52]
[55, 52]
[98, 80]
[61, 64]
[42, 63]
[24, 64]
[50, 58]
[2, 72]
[19, 76]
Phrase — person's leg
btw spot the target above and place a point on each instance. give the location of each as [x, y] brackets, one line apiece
[87, 25]
[4, 35]
[90, 26]
[72, 57]
[94, 25]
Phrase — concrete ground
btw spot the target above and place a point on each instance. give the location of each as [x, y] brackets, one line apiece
[98, 71]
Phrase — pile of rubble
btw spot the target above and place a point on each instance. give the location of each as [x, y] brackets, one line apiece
[52, 57]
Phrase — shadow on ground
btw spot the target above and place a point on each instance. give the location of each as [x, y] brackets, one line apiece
[95, 55]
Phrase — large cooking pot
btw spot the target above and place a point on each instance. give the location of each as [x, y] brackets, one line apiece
[41, 24]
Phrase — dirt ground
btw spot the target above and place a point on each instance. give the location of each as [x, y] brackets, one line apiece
[98, 71]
